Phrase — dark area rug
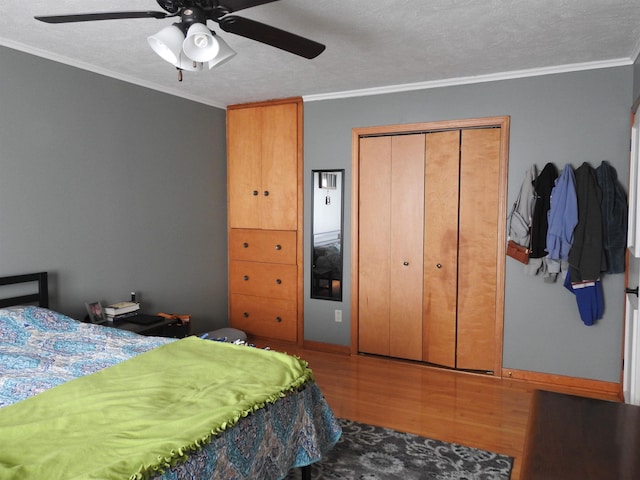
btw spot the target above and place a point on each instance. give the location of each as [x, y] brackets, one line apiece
[366, 452]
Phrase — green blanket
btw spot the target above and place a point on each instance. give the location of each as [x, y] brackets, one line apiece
[136, 418]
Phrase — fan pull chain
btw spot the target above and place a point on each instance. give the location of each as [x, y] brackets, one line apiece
[179, 74]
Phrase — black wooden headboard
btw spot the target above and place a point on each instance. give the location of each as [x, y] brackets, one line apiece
[41, 297]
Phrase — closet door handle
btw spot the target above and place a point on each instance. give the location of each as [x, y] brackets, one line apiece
[278, 247]
[405, 263]
[279, 319]
[245, 245]
[245, 278]
[245, 314]
[634, 291]
[438, 265]
[266, 193]
[278, 281]
[255, 193]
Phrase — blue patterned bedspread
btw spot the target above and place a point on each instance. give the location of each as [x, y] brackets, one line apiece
[40, 349]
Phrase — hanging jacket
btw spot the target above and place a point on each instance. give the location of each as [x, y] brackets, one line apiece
[519, 221]
[563, 216]
[543, 186]
[614, 217]
[586, 257]
[589, 298]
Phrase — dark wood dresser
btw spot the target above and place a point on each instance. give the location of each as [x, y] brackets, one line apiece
[571, 437]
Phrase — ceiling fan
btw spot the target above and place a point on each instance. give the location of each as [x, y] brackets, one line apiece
[189, 44]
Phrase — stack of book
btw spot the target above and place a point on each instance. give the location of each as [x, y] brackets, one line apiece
[117, 312]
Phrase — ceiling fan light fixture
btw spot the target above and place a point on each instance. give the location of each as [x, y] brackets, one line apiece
[225, 53]
[168, 43]
[200, 44]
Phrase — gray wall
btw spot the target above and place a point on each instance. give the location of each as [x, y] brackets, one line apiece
[563, 118]
[111, 188]
[636, 79]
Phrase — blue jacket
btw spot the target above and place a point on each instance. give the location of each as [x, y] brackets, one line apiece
[562, 216]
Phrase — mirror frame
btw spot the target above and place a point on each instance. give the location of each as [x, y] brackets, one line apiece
[320, 180]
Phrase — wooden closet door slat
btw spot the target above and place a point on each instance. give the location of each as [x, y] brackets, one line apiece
[406, 269]
[374, 247]
[441, 247]
[478, 260]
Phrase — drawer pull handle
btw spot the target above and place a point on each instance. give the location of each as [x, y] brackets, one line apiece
[255, 193]
[266, 193]
[279, 319]
[245, 314]
[246, 277]
[245, 245]
[278, 247]
[278, 281]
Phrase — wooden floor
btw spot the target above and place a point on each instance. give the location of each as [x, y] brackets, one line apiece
[473, 410]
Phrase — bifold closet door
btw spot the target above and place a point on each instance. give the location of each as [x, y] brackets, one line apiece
[442, 174]
[462, 181]
[478, 251]
[391, 242]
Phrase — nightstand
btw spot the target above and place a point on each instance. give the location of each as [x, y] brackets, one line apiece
[162, 327]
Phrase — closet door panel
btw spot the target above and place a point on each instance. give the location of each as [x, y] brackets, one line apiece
[407, 217]
[441, 247]
[244, 171]
[374, 247]
[478, 261]
[279, 167]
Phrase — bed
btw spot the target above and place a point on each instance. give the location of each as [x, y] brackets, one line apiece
[79, 400]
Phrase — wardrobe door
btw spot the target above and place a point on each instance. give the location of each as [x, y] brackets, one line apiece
[244, 151]
[263, 166]
[279, 167]
[478, 260]
[374, 245]
[406, 269]
[441, 247]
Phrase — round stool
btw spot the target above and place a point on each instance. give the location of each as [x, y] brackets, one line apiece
[230, 335]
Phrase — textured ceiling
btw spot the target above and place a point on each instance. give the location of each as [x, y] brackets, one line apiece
[372, 45]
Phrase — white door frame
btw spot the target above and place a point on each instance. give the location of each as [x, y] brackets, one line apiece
[631, 368]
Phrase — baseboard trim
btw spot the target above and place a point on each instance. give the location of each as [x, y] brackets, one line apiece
[564, 383]
[327, 347]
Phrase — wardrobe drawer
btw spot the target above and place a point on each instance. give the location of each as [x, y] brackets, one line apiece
[264, 317]
[263, 279]
[272, 246]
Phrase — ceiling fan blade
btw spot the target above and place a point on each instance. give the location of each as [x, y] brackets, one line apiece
[269, 35]
[235, 5]
[89, 17]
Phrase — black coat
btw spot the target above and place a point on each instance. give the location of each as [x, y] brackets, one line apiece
[586, 257]
[539, 223]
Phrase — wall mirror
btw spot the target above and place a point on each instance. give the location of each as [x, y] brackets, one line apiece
[327, 234]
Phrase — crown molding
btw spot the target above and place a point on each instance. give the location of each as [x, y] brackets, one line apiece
[533, 72]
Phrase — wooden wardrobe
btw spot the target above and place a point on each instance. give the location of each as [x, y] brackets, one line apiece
[429, 222]
[264, 179]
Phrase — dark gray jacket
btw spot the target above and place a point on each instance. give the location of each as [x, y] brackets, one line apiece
[614, 217]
